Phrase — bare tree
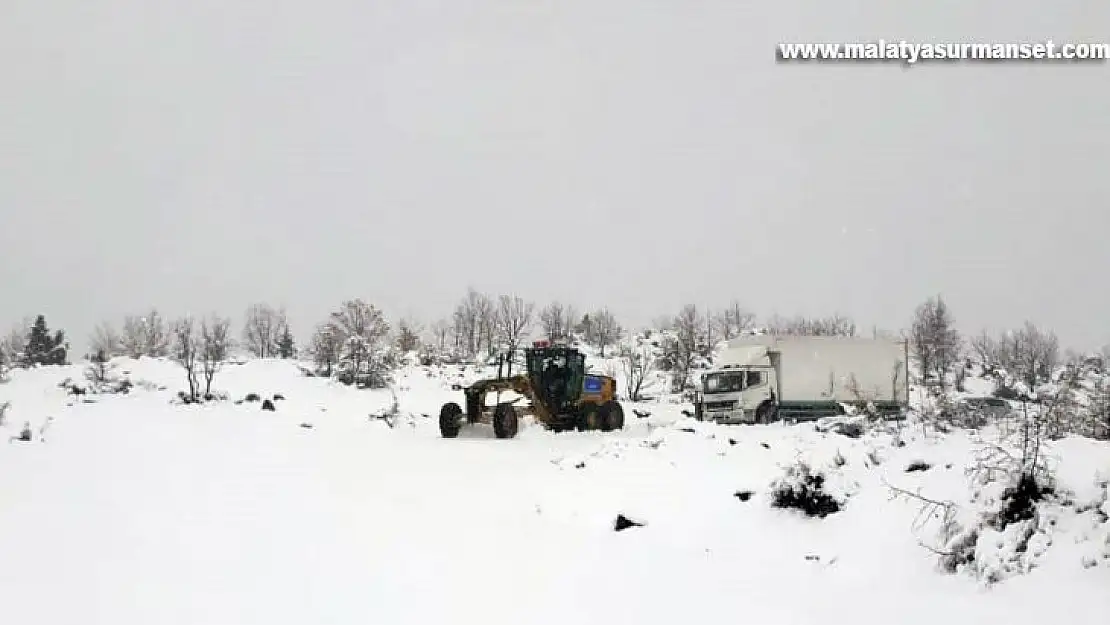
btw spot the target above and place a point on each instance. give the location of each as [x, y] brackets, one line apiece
[570, 318]
[486, 314]
[408, 335]
[733, 321]
[215, 342]
[105, 340]
[157, 336]
[637, 364]
[833, 325]
[514, 320]
[146, 335]
[263, 329]
[133, 339]
[555, 321]
[683, 346]
[606, 330]
[186, 352]
[441, 333]
[663, 323]
[1029, 353]
[934, 341]
[985, 349]
[474, 322]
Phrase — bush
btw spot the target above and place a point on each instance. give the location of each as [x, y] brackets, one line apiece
[803, 489]
[1019, 501]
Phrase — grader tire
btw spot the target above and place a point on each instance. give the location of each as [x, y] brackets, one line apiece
[506, 422]
[592, 417]
[612, 416]
[449, 416]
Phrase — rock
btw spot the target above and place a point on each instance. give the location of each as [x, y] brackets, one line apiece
[622, 523]
[268, 405]
[252, 397]
[743, 495]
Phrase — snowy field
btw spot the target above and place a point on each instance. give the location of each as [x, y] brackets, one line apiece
[131, 509]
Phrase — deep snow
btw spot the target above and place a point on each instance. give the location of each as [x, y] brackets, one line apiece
[136, 510]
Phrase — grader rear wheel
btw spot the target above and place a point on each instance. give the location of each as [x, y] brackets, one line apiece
[449, 417]
[592, 418]
[506, 422]
[612, 416]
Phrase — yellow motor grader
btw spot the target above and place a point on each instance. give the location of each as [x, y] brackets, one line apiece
[560, 394]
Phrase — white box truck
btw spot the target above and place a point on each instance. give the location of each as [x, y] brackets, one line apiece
[759, 379]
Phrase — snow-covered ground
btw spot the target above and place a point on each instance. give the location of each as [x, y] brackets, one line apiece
[131, 509]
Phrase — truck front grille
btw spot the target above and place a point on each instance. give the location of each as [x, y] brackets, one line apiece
[720, 405]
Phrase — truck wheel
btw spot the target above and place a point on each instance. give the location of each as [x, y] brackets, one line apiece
[612, 416]
[591, 417]
[767, 413]
[449, 420]
[505, 421]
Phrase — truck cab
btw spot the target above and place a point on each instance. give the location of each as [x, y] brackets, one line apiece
[736, 395]
[742, 388]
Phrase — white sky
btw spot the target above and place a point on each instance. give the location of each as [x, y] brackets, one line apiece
[200, 155]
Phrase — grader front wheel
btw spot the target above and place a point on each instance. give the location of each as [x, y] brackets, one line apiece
[449, 420]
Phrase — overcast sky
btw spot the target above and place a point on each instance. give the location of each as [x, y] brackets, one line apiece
[199, 155]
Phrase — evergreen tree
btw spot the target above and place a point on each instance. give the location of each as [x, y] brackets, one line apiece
[286, 346]
[42, 348]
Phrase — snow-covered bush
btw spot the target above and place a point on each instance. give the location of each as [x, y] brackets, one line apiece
[802, 488]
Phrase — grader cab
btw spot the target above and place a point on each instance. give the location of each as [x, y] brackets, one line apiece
[559, 393]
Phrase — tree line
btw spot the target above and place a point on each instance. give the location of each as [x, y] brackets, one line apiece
[357, 344]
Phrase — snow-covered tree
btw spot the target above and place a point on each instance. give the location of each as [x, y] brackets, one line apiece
[146, 335]
[408, 335]
[12, 345]
[605, 328]
[1029, 354]
[361, 332]
[42, 348]
[106, 340]
[286, 346]
[325, 348]
[934, 341]
[100, 372]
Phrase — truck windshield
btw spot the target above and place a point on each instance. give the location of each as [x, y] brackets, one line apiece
[724, 382]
